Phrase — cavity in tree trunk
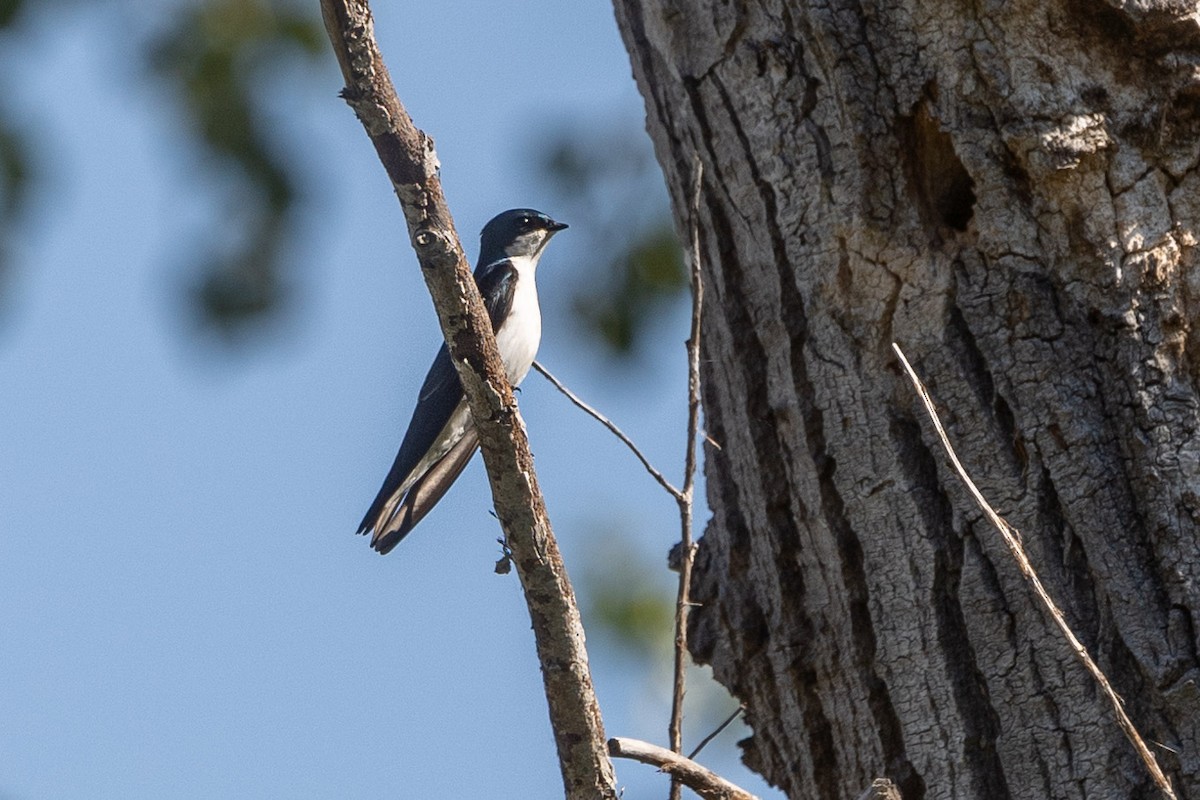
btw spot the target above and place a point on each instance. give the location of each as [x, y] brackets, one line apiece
[1009, 190]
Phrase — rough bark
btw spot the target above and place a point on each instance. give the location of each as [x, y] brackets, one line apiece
[1009, 190]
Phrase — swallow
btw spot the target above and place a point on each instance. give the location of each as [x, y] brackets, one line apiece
[441, 436]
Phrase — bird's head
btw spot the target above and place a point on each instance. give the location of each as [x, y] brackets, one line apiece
[515, 233]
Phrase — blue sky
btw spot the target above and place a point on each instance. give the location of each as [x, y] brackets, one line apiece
[184, 609]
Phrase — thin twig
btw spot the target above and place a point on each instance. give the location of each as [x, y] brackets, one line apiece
[685, 500]
[737, 712]
[1012, 538]
[701, 780]
[606, 422]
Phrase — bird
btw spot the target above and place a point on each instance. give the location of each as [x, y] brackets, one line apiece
[441, 436]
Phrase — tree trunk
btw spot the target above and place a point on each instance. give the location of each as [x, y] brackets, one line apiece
[1010, 191]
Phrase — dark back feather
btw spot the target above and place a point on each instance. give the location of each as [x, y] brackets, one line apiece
[442, 390]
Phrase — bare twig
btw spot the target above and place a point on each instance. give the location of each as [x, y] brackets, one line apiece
[701, 780]
[1012, 538]
[685, 499]
[411, 163]
[737, 712]
[606, 422]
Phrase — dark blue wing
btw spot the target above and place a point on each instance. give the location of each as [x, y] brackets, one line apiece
[440, 395]
[497, 283]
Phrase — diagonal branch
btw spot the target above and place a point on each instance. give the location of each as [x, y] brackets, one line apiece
[1012, 539]
[701, 780]
[612, 427]
[411, 163]
[717, 731]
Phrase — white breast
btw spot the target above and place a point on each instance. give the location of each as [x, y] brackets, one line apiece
[521, 332]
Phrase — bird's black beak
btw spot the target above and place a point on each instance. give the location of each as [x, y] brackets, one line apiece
[555, 227]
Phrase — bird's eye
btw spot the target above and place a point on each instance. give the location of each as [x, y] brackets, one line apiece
[524, 222]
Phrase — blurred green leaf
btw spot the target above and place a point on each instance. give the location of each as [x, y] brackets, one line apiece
[8, 11]
[14, 173]
[16, 182]
[609, 177]
[16, 170]
[639, 617]
[649, 274]
[634, 605]
[213, 58]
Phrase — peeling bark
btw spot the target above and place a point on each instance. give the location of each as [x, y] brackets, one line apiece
[1011, 191]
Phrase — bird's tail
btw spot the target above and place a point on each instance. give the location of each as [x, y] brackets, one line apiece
[396, 519]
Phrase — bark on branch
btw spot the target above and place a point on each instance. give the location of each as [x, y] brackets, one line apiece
[411, 163]
[701, 780]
